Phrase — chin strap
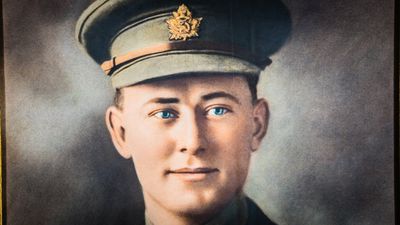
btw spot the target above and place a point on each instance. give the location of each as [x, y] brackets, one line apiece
[182, 46]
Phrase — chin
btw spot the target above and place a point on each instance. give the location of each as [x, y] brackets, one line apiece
[199, 204]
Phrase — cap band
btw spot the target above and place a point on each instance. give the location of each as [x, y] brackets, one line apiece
[178, 63]
[113, 64]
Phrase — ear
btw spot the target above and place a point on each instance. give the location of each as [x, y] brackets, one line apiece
[260, 119]
[115, 126]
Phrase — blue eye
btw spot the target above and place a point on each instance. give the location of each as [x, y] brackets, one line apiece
[165, 115]
[218, 111]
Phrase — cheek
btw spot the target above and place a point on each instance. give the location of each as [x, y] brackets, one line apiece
[235, 133]
[141, 134]
[147, 142]
[150, 148]
[233, 141]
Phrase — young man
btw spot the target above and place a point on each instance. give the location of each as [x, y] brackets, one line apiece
[186, 110]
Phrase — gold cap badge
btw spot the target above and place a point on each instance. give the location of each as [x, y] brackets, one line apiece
[181, 25]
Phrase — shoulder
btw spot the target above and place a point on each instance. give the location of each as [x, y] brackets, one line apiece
[255, 215]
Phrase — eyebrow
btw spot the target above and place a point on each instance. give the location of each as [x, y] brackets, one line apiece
[163, 100]
[220, 94]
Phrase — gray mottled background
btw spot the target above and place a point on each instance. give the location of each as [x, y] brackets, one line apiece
[327, 158]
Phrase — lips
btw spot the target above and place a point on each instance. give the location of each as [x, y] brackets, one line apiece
[191, 175]
[194, 170]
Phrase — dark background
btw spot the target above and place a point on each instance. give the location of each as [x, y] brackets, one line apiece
[327, 158]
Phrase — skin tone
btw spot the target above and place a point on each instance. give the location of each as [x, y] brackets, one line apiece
[190, 139]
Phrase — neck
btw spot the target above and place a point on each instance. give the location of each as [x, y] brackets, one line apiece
[156, 214]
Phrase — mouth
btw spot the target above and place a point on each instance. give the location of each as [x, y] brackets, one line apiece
[194, 170]
[193, 174]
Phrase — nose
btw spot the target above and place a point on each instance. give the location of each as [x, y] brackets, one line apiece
[192, 138]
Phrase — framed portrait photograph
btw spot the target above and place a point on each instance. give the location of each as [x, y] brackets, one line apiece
[199, 112]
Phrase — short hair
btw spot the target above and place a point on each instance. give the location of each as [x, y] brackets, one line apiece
[252, 82]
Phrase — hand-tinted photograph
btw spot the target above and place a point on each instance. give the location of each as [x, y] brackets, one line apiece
[193, 112]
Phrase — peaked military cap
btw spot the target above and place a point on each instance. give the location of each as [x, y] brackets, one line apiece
[137, 40]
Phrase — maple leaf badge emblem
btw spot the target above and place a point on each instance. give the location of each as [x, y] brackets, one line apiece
[182, 25]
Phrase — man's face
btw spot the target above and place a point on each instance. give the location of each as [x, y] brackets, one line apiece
[190, 139]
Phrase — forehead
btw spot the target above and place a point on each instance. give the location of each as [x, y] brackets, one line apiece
[189, 87]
